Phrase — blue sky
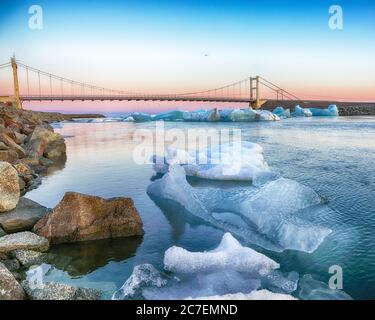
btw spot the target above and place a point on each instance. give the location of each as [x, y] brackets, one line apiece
[164, 46]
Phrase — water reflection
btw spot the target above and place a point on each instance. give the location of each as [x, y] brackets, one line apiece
[82, 258]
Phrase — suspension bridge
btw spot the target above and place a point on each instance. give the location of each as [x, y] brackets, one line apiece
[40, 85]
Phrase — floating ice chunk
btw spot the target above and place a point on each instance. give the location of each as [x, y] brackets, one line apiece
[262, 177]
[253, 295]
[229, 269]
[282, 113]
[277, 282]
[221, 162]
[202, 116]
[225, 115]
[243, 115]
[331, 111]
[56, 125]
[312, 289]
[230, 254]
[129, 119]
[276, 214]
[274, 210]
[265, 115]
[176, 115]
[141, 117]
[142, 276]
[301, 112]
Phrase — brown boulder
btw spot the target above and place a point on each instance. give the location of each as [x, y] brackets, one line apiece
[80, 217]
[9, 155]
[12, 144]
[9, 187]
[44, 142]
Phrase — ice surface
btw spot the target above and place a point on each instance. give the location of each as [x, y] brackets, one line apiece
[311, 289]
[331, 111]
[129, 119]
[274, 215]
[230, 254]
[265, 115]
[242, 115]
[229, 269]
[263, 294]
[176, 115]
[141, 117]
[301, 112]
[229, 161]
[282, 113]
[143, 275]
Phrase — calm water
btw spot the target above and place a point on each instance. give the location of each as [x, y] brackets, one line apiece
[335, 157]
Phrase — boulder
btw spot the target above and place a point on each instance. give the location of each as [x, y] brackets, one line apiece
[9, 187]
[23, 217]
[22, 168]
[80, 217]
[3, 146]
[59, 291]
[11, 264]
[4, 138]
[28, 258]
[9, 155]
[10, 289]
[23, 240]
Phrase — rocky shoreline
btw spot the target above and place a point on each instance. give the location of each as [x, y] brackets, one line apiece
[29, 147]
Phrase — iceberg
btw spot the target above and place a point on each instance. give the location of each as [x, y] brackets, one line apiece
[265, 115]
[129, 119]
[301, 112]
[243, 115]
[141, 117]
[282, 113]
[230, 161]
[230, 254]
[229, 269]
[202, 116]
[175, 115]
[311, 289]
[331, 111]
[274, 216]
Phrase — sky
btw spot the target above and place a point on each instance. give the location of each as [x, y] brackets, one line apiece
[183, 46]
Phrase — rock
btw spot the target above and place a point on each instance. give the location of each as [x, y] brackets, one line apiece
[9, 187]
[20, 137]
[28, 258]
[8, 156]
[2, 233]
[23, 217]
[22, 184]
[3, 146]
[55, 150]
[10, 289]
[59, 291]
[11, 264]
[23, 240]
[4, 138]
[23, 168]
[80, 217]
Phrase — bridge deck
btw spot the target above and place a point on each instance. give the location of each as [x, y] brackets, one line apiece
[133, 98]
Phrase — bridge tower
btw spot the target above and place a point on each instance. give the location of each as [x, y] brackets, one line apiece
[16, 97]
[256, 102]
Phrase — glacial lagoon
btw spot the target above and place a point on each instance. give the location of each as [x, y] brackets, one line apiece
[329, 158]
